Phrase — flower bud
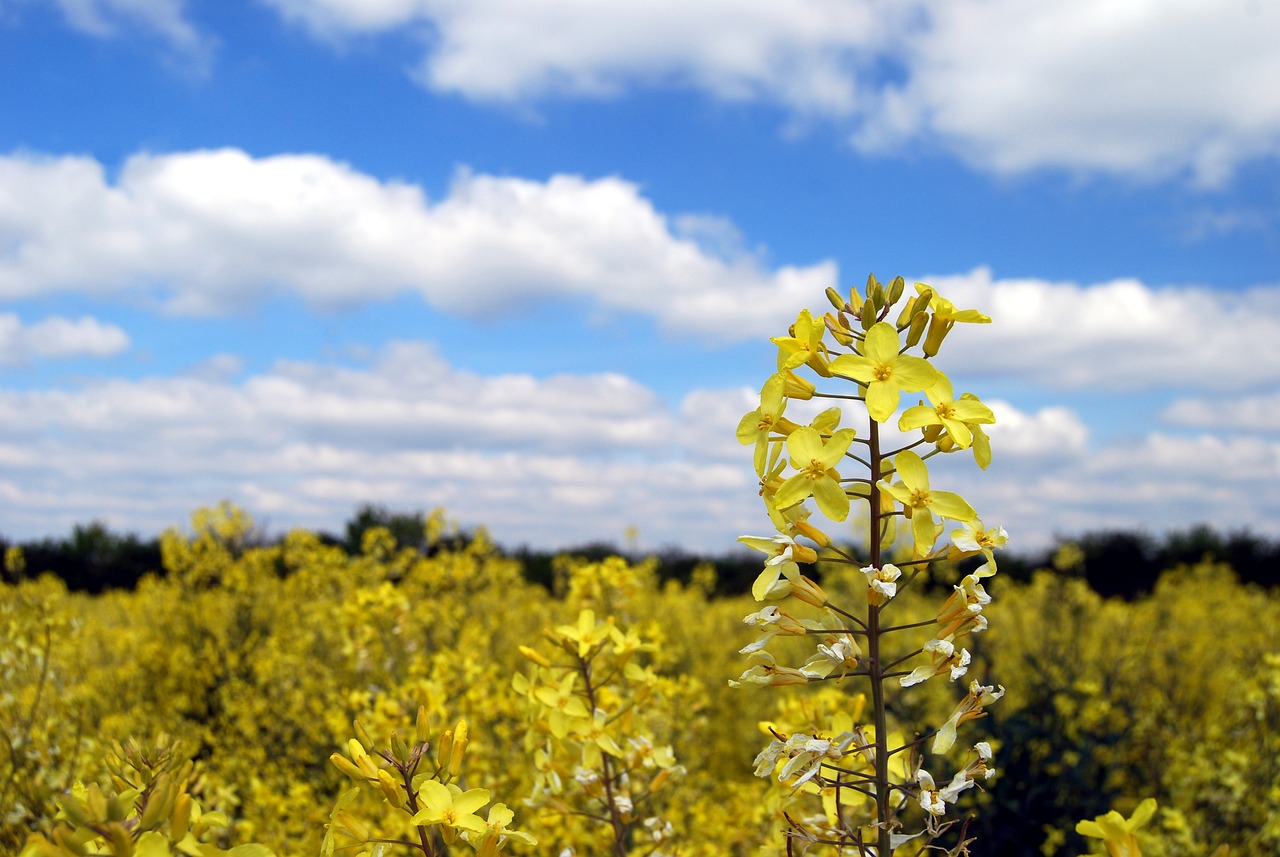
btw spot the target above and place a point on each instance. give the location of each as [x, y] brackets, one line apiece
[444, 747]
[363, 736]
[342, 763]
[918, 321]
[938, 329]
[795, 387]
[352, 826]
[839, 329]
[807, 591]
[459, 747]
[531, 654]
[399, 748]
[908, 312]
[812, 533]
[66, 840]
[180, 820]
[868, 314]
[422, 730]
[834, 297]
[895, 290]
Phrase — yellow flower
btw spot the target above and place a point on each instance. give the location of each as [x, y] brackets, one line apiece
[885, 372]
[451, 808]
[920, 504]
[1117, 831]
[816, 460]
[588, 634]
[957, 416]
[497, 834]
[804, 345]
[756, 426]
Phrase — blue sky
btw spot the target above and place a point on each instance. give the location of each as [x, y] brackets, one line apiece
[523, 260]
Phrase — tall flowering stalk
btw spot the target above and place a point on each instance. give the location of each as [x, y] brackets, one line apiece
[878, 793]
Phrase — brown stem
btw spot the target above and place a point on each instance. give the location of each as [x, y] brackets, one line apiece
[875, 667]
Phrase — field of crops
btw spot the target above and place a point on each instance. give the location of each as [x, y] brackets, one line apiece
[258, 659]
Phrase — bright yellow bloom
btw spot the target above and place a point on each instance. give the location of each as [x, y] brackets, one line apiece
[565, 706]
[595, 738]
[497, 834]
[1117, 831]
[973, 538]
[587, 633]
[816, 460]
[450, 808]
[946, 310]
[957, 416]
[804, 345]
[885, 372]
[920, 504]
[756, 426]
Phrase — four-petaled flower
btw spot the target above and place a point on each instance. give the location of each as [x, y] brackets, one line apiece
[804, 345]
[815, 461]
[757, 426]
[884, 370]
[957, 416]
[920, 504]
[451, 808]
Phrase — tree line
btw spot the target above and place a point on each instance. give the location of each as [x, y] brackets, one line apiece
[1115, 563]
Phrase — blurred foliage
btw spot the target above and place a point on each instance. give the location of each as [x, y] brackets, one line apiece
[258, 656]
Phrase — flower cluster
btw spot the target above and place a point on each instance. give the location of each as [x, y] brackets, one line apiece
[881, 465]
[595, 708]
[419, 804]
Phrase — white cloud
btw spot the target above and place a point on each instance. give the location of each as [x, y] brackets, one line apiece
[1245, 414]
[1140, 88]
[165, 19]
[1121, 335]
[210, 231]
[56, 337]
[556, 460]
[551, 461]
[207, 231]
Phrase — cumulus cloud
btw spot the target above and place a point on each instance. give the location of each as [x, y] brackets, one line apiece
[547, 461]
[555, 460]
[56, 337]
[208, 231]
[1121, 335]
[1147, 89]
[165, 19]
[1259, 413]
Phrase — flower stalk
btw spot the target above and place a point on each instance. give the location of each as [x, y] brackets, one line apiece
[872, 794]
